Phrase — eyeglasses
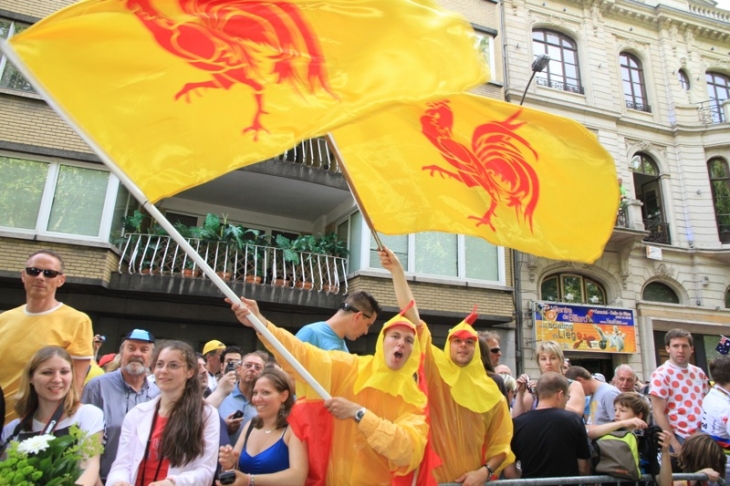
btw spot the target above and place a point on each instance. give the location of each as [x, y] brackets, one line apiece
[34, 272]
[495, 350]
[254, 366]
[348, 307]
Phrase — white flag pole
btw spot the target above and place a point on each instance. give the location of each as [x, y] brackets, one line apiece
[7, 49]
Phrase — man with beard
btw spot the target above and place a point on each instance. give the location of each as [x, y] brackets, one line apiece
[239, 399]
[119, 392]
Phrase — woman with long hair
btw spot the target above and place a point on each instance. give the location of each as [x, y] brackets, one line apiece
[48, 403]
[701, 454]
[549, 357]
[268, 452]
[172, 440]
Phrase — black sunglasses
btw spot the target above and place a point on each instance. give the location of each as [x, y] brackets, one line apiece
[347, 307]
[34, 272]
[495, 350]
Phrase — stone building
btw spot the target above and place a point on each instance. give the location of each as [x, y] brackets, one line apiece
[651, 80]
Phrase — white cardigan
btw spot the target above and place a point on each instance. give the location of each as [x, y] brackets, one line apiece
[133, 440]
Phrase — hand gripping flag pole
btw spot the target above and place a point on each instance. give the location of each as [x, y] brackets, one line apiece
[7, 49]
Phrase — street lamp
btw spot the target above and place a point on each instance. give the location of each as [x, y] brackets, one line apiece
[538, 65]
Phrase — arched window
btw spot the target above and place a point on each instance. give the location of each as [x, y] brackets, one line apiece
[720, 183]
[563, 71]
[727, 299]
[718, 90]
[659, 292]
[649, 192]
[573, 289]
[683, 79]
[632, 76]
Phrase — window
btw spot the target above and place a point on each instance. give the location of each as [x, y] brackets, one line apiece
[485, 45]
[720, 183]
[644, 164]
[727, 299]
[718, 90]
[572, 289]
[683, 79]
[563, 71]
[434, 254]
[10, 77]
[648, 189]
[54, 198]
[659, 292]
[632, 76]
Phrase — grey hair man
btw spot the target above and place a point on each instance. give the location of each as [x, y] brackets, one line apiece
[624, 378]
[119, 392]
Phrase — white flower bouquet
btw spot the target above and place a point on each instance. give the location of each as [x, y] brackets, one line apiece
[47, 460]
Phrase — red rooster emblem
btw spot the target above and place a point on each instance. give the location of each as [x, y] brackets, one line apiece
[240, 41]
[496, 161]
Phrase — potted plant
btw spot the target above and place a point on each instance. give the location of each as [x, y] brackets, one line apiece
[306, 246]
[254, 247]
[190, 271]
[332, 247]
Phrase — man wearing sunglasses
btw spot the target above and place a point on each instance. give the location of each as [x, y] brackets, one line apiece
[42, 321]
[353, 319]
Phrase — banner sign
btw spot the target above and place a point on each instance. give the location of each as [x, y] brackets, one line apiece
[586, 328]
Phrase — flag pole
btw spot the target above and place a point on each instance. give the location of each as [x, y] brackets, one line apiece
[341, 163]
[155, 213]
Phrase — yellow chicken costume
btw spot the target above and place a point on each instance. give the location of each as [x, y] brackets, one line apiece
[470, 419]
[390, 439]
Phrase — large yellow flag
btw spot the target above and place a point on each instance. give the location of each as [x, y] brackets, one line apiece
[517, 177]
[178, 92]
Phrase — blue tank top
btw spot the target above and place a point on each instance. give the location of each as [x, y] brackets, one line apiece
[271, 460]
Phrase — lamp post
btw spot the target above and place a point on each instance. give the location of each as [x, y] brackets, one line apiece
[538, 65]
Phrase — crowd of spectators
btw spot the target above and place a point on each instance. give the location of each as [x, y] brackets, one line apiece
[412, 413]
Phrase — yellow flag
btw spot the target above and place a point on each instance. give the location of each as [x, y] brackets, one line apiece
[178, 92]
[517, 177]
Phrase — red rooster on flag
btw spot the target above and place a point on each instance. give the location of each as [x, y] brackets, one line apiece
[496, 161]
[240, 41]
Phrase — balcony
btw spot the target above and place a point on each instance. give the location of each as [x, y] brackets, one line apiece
[573, 88]
[658, 231]
[638, 107]
[622, 218]
[711, 112]
[314, 152]
[160, 256]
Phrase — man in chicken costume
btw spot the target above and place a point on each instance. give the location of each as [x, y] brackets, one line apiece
[471, 427]
[380, 430]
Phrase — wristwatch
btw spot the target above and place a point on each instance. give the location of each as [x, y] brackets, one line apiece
[360, 414]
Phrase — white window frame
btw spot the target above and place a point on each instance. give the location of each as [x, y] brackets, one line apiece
[4, 59]
[410, 271]
[492, 65]
[46, 204]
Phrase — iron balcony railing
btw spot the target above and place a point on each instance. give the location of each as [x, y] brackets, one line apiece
[162, 256]
[710, 112]
[658, 231]
[638, 106]
[573, 88]
[313, 152]
[622, 217]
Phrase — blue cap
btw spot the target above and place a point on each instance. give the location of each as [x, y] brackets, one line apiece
[140, 335]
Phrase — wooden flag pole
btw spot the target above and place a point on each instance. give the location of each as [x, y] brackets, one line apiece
[341, 163]
[7, 49]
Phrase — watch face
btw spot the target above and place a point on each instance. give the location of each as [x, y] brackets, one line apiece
[359, 415]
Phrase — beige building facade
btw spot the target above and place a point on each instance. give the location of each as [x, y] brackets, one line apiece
[650, 80]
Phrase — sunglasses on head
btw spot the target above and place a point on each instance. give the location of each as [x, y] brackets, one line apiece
[348, 307]
[34, 272]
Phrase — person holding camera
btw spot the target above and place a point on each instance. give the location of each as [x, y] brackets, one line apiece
[268, 453]
[237, 409]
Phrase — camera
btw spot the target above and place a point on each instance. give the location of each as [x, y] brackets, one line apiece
[237, 414]
[100, 338]
[232, 366]
[227, 477]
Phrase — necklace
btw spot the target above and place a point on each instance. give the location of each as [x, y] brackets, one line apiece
[268, 431]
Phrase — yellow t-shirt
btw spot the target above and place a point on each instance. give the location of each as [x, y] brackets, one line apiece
[23, 334]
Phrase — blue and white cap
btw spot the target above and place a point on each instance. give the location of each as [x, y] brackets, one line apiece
[140, 335]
